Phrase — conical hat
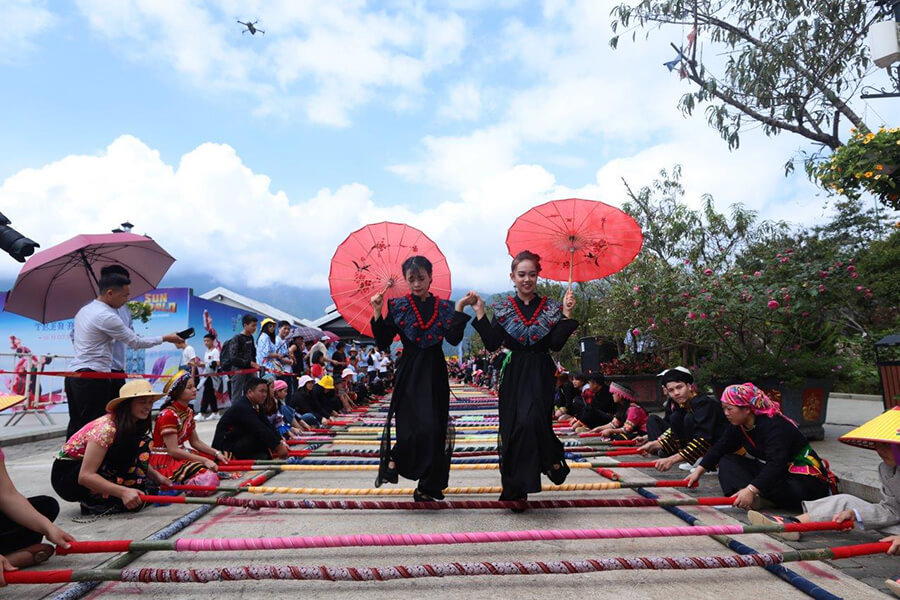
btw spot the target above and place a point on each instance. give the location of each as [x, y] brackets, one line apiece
[883, 428]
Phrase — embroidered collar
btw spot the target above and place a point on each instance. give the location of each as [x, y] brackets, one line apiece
[528, 332]
[408, 321]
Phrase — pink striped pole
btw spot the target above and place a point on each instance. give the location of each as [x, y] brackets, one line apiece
[430, 539]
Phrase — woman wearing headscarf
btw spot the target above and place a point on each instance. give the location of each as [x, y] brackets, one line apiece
[174, 430]
[777, 462]
[696, 422]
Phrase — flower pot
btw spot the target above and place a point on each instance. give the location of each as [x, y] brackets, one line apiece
[807, 404]
[646, 388]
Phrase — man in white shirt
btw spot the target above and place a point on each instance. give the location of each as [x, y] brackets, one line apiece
[97, 326]
[118, 348]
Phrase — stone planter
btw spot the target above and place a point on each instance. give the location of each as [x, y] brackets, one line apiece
[646, 389]
[806, 404]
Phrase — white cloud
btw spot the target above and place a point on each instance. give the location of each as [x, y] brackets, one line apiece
[23, 21]
[324, 59]
[463, 104]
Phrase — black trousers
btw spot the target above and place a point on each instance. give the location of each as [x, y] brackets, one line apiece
[87, 400]
[736, 472]
[209, 404]
[15, 537]
[656, 426]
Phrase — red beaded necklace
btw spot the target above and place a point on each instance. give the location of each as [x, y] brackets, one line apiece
[419, 321]
[534, 317]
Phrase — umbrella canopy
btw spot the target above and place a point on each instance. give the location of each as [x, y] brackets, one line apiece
[577, 240]
[369, 261]
[307, 334]
[55, 283]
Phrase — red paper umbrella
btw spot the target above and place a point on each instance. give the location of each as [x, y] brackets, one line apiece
[577, 240]
[369, 261]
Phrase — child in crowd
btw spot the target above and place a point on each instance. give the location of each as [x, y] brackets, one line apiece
[105, 465]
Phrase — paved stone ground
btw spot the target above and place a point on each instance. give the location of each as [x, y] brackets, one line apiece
[29, 465]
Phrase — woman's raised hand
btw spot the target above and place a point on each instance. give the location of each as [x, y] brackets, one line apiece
[568, 303]
[468, 300]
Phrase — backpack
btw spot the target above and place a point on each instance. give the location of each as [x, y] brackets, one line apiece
[226, 355]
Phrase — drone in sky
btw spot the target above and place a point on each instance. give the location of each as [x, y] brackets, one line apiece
[251, 27]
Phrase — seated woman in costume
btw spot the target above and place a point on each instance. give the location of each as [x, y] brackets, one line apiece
[174, 429]
[879, 434]
[629, 420]
[24, 522]
[696, 422]
[776, 461]
[105, 465]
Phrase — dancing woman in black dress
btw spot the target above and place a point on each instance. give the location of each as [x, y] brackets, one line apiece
[530, 326]
[421, 397]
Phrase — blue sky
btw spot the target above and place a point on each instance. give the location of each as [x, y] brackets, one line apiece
[251, 157]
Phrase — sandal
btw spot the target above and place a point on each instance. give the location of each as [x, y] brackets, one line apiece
[760, 518]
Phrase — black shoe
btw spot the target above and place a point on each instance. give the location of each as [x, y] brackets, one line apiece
[520, 509]
[558, 476]
[386, 475]
[101, 508]
[420, 496]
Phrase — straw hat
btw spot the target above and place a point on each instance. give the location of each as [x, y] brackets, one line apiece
[136, 388]
[883, 428]
[327, 382]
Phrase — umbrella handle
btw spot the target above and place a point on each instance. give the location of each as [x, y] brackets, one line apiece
[571, 266]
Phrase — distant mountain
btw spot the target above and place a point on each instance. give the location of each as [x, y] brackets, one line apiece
[307, 303]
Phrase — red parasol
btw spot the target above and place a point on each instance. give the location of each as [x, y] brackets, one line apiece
[577, 240]
[369, 261]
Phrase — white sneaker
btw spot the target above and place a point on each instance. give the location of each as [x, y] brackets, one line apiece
[686, 467]
[200, 417]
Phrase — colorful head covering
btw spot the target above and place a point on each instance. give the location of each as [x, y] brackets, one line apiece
[327, 382]
[175, 382]
[280, 385]
[676, 374]
[265, 322]
[622, 390]
[883, 428]
[747, 394]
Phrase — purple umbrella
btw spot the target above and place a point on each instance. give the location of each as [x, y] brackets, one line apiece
[58, 281]
[307, 334]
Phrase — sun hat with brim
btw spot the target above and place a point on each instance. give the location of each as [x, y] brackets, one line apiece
[304, 380]
[327, 382]
[265, 322]
[136, 388]
[883, 428]
[347, 371]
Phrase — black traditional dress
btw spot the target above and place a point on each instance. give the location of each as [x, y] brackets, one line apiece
[694, 427]
[421, 398]
[527, 444]
[775, 457]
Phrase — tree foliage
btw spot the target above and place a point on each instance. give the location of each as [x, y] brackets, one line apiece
[785, 65]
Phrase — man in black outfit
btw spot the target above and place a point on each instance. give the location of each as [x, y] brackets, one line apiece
[244, 431]
[242, 356]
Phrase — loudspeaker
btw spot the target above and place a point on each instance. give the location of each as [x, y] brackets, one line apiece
[592, 354]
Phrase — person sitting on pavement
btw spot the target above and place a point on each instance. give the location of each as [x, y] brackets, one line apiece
[697, 422]
[323, 395]
[174, 428]
[244, 432]
[597, 405]
[879, 434]
[630, 418]
[106, 465]
[776, 462]
[24, 522]
[291, 418]
[303, 403]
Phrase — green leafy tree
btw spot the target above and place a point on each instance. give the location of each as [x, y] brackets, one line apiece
[784, 65]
